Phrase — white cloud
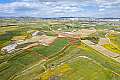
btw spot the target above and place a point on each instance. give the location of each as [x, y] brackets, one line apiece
[12, 6]
[60, 8]
[108, 3]
[101, 9]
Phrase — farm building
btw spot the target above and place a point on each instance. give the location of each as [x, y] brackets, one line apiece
[37, 33]
[10, 48]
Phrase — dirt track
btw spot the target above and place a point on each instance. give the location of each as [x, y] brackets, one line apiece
[102, 50]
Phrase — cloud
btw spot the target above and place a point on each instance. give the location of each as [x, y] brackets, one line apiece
[101, 9]
[108, 3]
[13, 6]
[55, 8]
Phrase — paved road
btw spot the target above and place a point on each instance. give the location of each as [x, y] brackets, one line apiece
[103, 50]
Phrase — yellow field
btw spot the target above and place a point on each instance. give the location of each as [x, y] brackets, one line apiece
[112, 48]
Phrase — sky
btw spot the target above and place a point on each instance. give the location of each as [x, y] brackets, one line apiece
[60, 8]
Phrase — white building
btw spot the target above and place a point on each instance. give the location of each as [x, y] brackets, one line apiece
[35, 33]
[10, 48]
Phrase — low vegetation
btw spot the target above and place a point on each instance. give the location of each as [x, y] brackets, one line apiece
[115, 38]
[79, 68]
[17, 63]
[52, 49]
[112, 48]
[64, 59]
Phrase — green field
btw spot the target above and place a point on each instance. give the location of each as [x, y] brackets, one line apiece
[52, 49]
[98, 57]
[101, 67]
[61, 59]
[100, 33]
[5, 38]
[84, 50]
[115, 38]
[17, 63]
[80, 69]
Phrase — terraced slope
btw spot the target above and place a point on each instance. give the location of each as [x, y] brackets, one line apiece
[77, 62]
[17, 63]
[115, 39]
[52, 49]
[79, 68]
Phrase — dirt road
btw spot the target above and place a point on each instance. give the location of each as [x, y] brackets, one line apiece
[103, 50]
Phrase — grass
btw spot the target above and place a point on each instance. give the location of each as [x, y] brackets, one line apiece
[1, 33]
[52, 49]
[10, 28]
[112, 48]
[5, 38]
[103, 26]
[99, 33]
[60, 70]
[98, 57]
[108, 69]
[50, 33]
[4, 43]
[115, 38]
[84, 50]
[79, 69]
[17, 64]
[75, 69]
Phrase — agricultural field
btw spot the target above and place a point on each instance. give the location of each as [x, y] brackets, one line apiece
[99, 33]
[59, 39]
[68, 66]
[115, 39]
[17, 63]
[52, 49]
[33, 50]
[112, 48]
[79, 68]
